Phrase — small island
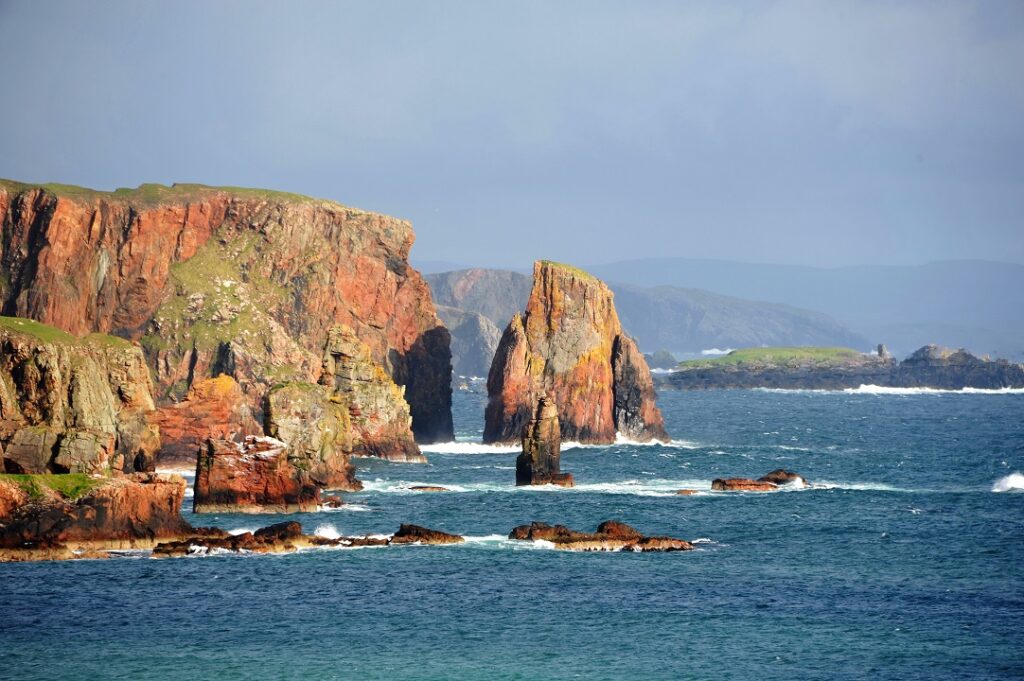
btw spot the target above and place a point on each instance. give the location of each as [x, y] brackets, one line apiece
[836, 368]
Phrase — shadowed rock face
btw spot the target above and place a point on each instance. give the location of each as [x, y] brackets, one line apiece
[73, 405]
[242, 282]
[542, 447]
[474, 340]
[569, 345]
[611, 535]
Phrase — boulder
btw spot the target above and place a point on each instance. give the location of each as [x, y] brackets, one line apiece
[429, 488]
[611, 535]
[781, 476]
[570, 346]
[539, 462]
[254, 476]
[414, 534]
[742, 485]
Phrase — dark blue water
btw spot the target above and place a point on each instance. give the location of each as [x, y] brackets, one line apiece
[904, 564]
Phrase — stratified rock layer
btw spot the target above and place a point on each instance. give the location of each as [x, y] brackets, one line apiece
[611, 535]
[539, 464]
[569, 345]
[130, 511]
[215, 407]
[242, 282]
[67, 404]
[255, 476]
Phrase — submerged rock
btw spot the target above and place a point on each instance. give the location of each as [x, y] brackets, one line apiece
[539, 464]
[73, 405]
[611, 535]
[569, 345]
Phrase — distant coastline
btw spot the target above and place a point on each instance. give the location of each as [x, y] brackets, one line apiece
[816, 368]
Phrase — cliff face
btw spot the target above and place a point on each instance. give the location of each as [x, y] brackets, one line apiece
[73, 405]
[242, 282]
[569, 345]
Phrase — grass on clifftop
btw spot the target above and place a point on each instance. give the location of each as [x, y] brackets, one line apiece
[784, 356]
[569, 268]
[153, 193]
[71, 486]
[41, 332]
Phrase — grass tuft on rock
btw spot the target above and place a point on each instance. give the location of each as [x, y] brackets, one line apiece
[71, 486]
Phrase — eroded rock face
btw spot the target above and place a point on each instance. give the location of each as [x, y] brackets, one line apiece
[254, 476]
[242, 282]
[539, 464]
[79, 405]
[611, 535]
[569, 345]
[415, 534]
[781, 476]
[131, 511]
[215, 407]
[379, 415]
[742, 485]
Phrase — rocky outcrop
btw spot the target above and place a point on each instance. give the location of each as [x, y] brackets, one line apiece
[287, 537]
[379, 418]
[569, 345]
[241, 282]
[68, 404]
[474, 340]
[214, 408]
[254, 476]
[415, 534]
[610, 536]
[316, 431]
[929, 367]
[769, 482]
[539, 464]
[132, 511]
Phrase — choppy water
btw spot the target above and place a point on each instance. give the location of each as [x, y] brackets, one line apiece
[905, 565]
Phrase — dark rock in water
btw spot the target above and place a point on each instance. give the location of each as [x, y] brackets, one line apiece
[414, 534]
[542, 445]
[474, 340]
[611, 535]
[569, 345]
[429, 488]
[780, 476]
[686, 492]
[742, 485]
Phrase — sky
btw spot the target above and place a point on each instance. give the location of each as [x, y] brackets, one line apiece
[812, 133]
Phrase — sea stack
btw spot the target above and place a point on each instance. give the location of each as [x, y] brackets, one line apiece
[569, 345]
[542, 446]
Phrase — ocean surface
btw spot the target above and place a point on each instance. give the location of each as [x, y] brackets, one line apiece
[905, 560]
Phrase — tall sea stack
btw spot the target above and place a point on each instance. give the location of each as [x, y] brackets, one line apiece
[570, 346]
[539, 464]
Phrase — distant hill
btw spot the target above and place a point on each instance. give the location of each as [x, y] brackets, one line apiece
[968, 303]
[684, 321]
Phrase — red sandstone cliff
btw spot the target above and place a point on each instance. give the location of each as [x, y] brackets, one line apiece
[569, 344]
[242, 282]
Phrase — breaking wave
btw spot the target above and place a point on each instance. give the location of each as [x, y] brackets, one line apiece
[327, 531]
[1014, 482]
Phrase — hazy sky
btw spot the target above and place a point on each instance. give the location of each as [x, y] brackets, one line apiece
[807, 133]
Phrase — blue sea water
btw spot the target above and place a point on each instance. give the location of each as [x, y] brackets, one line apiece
[901, 564]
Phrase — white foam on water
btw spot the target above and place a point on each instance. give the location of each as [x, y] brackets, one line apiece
[1014, 482]
[327, 531]
[654, 487]
[353, 508]
[703, 540]
[868, 389]
[466, 447]
[857, 486]
[241, 530]
[716, 352]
